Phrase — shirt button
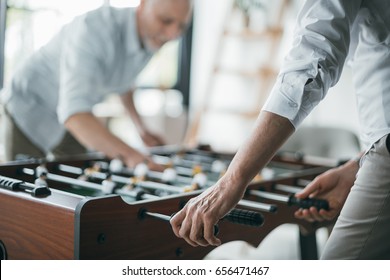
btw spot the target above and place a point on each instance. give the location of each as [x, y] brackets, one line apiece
[293, 104]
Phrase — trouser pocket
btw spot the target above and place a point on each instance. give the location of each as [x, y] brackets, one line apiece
[388, 143]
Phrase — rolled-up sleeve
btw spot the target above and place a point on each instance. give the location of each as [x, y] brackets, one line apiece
[81, 70]
[316, 59]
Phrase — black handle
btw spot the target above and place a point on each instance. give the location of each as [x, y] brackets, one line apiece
[242, 217]
[17, 185]
[237, 216]
[245, 217]
[10, 183]
[306, 203]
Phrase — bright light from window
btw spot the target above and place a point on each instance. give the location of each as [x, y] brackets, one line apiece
[149, 102]
[124, 3]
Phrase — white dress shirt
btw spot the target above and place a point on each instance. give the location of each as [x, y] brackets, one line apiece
[97, 54]
[326, 34]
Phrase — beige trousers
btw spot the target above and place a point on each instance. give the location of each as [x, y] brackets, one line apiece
[362, 230]
[18, 146]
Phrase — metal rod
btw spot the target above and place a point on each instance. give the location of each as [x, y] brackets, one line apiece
[158, 216]
[287, 188]
[67, 180]
[160, 186]
[258, 205]
[135, 194]
[268, 195]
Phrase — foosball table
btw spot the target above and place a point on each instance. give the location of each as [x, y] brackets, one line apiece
[94, 208]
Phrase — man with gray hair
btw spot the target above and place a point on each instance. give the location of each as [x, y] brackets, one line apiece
[48, 104]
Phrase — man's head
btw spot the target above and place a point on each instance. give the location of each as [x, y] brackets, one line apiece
[160, 21]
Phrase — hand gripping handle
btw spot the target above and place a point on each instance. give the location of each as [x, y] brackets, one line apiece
[216, 227]
[245, 217]
[308, 202]
[240, 216]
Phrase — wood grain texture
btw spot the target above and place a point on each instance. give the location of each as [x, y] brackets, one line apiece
[36, 228]
[67, 226]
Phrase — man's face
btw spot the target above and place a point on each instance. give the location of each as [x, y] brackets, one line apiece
[160, 21]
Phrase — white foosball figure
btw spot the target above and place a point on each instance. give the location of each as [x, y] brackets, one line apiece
[141, 170]
[267, 173]
[41, 173]
[116, 165]
[200, 180]
[108, 186]
[169, 175]
[41, 170]
[218, 166]
[41, 182]
[88, 172]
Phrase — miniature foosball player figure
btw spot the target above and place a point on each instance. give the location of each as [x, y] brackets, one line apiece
[41, 174]
[116, 165]
[88, 172]
[219, 167]
[169, 174]
[141, 171]
[108, 185]
[199, 181]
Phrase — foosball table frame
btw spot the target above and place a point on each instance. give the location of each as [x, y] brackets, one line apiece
[63, 225]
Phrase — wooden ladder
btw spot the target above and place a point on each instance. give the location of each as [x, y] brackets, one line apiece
[265, 73]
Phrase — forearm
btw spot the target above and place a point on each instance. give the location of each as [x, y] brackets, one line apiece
[150, 139]
[90, 132]
[270, 132]
[128, 103]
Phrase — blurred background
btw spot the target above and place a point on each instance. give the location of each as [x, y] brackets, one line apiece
[212, 82]
[205, 88]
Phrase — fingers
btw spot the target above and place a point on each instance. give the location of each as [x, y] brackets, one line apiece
[159, 141]
[314, 215]
[176, 222]
[209, 235]
[312, 189]
[151, 140]
[194, 228]
[310, 215]
[154, 166]
[180, 228]
[139, 159]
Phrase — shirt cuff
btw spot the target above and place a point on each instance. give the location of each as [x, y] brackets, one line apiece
[285, 99]
[66, 112]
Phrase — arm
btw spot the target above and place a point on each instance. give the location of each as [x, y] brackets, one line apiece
[148, 138]
[195, 221]
[93, 134]
[313, 65]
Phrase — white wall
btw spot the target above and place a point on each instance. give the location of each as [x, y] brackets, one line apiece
[209, 16]
[337, 110]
